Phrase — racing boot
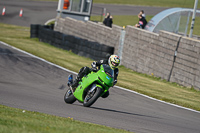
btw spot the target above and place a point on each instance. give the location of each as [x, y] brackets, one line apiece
[82, 72]
[75, 84]
[70, 80]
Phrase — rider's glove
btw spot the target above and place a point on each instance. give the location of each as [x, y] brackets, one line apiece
[94, 69]
[94, 64]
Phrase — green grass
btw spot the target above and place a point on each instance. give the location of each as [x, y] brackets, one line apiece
[196, 30]
[145, 84]
[21, 121]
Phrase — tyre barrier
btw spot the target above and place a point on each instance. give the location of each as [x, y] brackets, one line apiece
[82, 47]
[34, 30]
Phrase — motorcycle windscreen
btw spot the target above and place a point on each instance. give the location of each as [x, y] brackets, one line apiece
[106, 74]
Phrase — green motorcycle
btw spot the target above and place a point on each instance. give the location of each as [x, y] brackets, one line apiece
[91, 87]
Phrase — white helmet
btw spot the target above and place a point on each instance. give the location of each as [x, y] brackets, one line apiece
[114, 61]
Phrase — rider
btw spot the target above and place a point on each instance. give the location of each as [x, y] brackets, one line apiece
[113, 62]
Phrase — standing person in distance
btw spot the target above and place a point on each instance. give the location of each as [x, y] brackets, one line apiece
[142, 13]
[108, 20]
[142, 22]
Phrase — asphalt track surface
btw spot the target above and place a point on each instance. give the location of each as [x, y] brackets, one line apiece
[35, 85]
[29, 83]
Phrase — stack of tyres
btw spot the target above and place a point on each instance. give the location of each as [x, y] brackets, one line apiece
[58, 39]
[34, 30]
[88, 49]
[106, 51]
[51, 37]
[41, 34]
[82, 47]
[66, 42]
[45, 35]
[76, 45]
[52, 26]
[40, 31]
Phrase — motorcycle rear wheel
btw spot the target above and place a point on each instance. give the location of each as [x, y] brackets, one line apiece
[69, 97]
[91, 97]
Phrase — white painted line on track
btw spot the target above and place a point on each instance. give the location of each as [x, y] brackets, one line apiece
[115, 86]
[37, 57]
[157, 99]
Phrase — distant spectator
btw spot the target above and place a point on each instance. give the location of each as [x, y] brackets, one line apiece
[142, 22]
[142, 13]
[108, 20]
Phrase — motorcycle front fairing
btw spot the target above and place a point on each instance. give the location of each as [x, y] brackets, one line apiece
[86, 82]
[103, 79]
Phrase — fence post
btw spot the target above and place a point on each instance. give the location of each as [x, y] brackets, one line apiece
[104, 13]
[186, 27]
[193, 18]
[121, 42]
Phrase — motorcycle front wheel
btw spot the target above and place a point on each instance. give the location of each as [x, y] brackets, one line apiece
[69, 97]
[91, 97]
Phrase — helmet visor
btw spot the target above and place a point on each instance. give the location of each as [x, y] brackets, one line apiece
[114, 64]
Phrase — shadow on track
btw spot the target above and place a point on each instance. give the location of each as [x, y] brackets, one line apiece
[122, 112]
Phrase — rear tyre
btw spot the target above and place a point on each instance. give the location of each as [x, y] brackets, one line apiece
[69, 97]
[91, 97]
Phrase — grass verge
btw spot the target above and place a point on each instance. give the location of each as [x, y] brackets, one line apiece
[142, 83]
[21, 121]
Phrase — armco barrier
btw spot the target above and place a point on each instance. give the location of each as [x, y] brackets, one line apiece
[83, 47]
[166, 55]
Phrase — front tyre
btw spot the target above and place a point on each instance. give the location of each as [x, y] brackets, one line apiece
[91, 97]
[69, 97]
